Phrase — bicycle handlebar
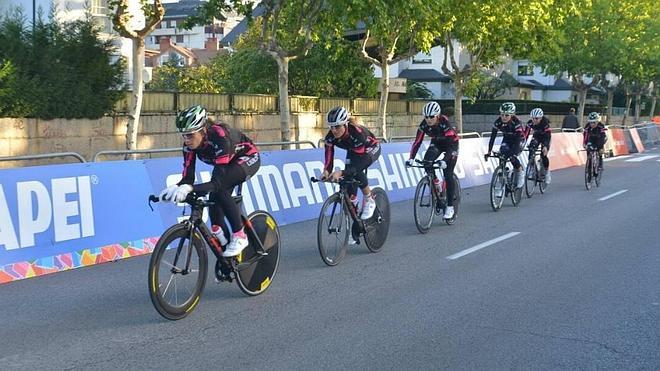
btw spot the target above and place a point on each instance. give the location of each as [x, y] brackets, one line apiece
[341, 180]
[436, 164]
[192, 199]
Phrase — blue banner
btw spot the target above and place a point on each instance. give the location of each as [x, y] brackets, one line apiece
[50, 210]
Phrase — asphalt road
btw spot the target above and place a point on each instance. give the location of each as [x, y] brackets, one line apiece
[578, 287]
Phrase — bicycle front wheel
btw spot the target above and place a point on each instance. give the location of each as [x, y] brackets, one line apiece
[333, 230]
[587, 173]
[177, 272]
[531, 176]
[378, 226]
[424, 205]
[256, 269]
[497, 189]
[598, 171]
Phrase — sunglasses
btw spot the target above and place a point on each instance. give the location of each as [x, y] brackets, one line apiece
[505, 115]
[429, 117]
[188, 135]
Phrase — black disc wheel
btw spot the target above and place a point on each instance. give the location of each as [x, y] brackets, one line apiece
[378, 226]
[257, 264]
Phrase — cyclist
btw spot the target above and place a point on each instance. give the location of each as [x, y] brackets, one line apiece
[362, 149]
[594, 136]
[541, 134]
[514, 135]
[234, 158]
[443, 139]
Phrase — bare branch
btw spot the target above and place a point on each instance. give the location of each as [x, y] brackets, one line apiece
[366, 55]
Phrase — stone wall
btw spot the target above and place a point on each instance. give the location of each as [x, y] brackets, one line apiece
[87, 137]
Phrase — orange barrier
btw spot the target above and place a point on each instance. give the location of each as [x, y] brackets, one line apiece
[637, 140]
[564, 150]
[616, 142]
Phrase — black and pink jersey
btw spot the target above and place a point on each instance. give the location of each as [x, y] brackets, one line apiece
[596, 136]
[357, 140]
[220, 146]
[513, 132]
[541, 131]
[443, 136]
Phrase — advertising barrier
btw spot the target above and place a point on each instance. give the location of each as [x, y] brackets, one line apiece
[636, 140]
[616, 142]
[58, 217]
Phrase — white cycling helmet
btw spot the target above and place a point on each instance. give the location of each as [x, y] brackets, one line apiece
[337, 116]
[431, 109]
[536, 113]
[593, 117]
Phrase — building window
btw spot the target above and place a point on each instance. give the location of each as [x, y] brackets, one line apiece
[98, 7]
[179, 38]
[422, 58]
[156, 40]
[525, 69]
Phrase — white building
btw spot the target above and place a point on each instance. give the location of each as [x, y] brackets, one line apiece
[69, 10]
[199, 37]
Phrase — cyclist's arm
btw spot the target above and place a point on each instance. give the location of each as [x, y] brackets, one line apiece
[417, 143]
[329, 156]
[188, 174]
[493, 134]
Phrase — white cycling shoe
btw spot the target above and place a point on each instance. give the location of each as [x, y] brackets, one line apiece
[236, 246]
[368, 208]
[449, 212]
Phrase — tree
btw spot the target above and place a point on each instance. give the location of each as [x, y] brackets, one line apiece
[480, 33]
[128, 26]
[288, 30]
[57, 69]
[394, 30]
[415, 90]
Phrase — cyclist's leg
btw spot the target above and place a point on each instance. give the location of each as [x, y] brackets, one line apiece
[448, 172]
[513, 157]
[431, 154]
[545, 148]
[231, 175]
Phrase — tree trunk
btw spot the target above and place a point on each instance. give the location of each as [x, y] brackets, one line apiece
[652, 111]
[458, 102]
[628, 104]
[285, 111]
[638, 106]
[582, 99]
[384, 93]
[138, 87]
[610, 102]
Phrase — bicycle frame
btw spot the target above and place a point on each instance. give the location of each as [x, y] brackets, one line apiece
[436, 165]
[345, 198]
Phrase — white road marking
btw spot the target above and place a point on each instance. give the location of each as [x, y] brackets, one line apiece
[613, 195]
[642, 158]
[482, 245]
[616, 158]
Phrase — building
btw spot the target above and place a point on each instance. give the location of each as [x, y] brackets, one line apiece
[199, 37]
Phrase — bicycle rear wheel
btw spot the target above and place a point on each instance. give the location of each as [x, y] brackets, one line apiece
[333, 230]
[457, 200]
[378, 226]
[531, 175]
[598, 172]
[255, 272]
[177, 272]
[587, 173]
[424, 205]
[497, 189]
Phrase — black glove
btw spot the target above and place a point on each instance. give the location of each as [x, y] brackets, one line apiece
[486, 156]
